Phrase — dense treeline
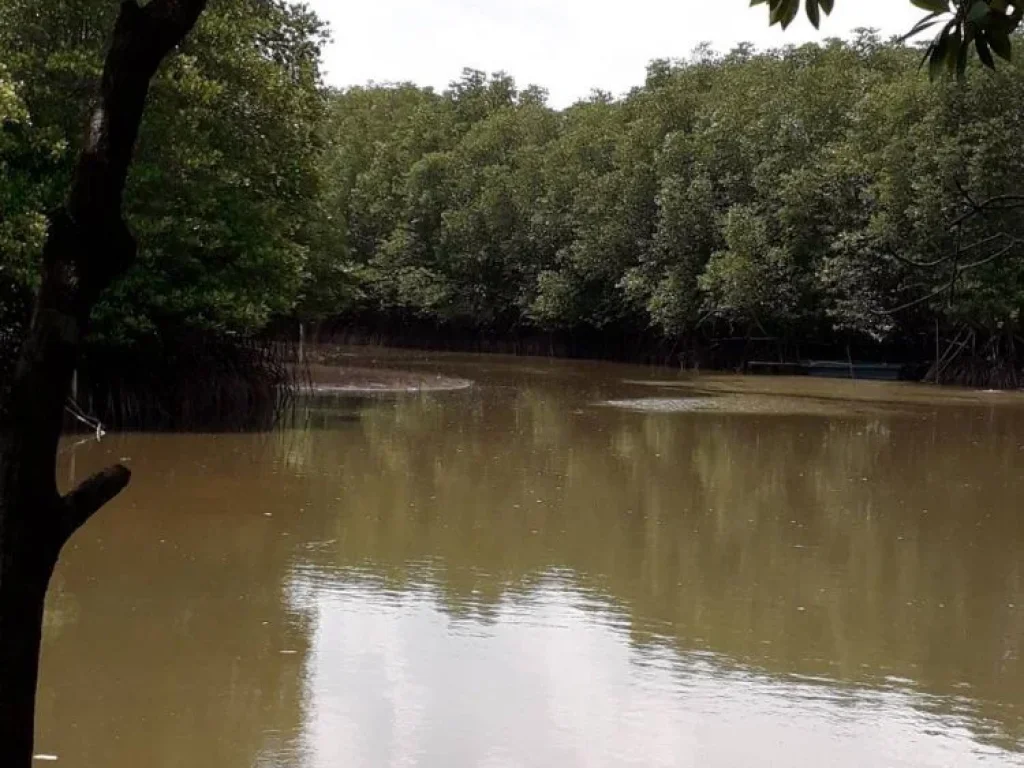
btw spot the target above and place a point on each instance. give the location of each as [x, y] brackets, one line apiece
[804, 194]
[818, 194]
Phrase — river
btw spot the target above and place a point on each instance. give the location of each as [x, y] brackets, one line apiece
[564, 564]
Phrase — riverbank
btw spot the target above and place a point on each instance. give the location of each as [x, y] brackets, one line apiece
[959, 360]
[622, 344]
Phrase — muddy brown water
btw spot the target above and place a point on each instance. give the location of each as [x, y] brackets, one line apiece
[562, 565]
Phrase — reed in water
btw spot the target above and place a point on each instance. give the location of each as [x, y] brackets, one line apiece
[196, 382]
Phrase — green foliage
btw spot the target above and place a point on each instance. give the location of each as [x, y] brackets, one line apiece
[224, 189]
[24, 157]
[794, 192]
[754, 277]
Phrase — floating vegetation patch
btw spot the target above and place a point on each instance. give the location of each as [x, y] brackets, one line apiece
[344, 380]
[662, 404]
[739, 404]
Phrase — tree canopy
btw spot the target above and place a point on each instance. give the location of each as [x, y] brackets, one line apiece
[797, 193]
[814, 193]
[226, 169]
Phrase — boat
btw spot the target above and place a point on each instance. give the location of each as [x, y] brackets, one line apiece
[830, 369]
[838, 369]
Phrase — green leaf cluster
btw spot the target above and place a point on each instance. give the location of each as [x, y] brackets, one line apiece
[783, 12]
[984, 27]
[224, 189]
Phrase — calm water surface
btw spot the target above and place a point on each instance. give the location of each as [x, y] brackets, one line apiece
[563, 565]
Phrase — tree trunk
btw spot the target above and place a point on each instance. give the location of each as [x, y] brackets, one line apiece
[23, 583]
[88, 246]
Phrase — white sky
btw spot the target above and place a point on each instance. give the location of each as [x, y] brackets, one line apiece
[567, 46]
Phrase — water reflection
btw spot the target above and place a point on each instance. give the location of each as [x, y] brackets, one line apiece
[552, 680]
[513, 575]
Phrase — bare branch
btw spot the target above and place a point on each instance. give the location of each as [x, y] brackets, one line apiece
[983, 242]
[958, 270]
[988, 259]
[922, 264]
[947, 286]
[997, 203]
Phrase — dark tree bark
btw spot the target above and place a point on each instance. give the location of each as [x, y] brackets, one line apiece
[88, 246]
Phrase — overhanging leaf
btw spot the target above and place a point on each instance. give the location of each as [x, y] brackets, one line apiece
[984, 52]
[941, 49]
[934, 6]
[999, 40]
[814, 13]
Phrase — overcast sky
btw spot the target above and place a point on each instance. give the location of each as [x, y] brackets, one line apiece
[567, 46]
